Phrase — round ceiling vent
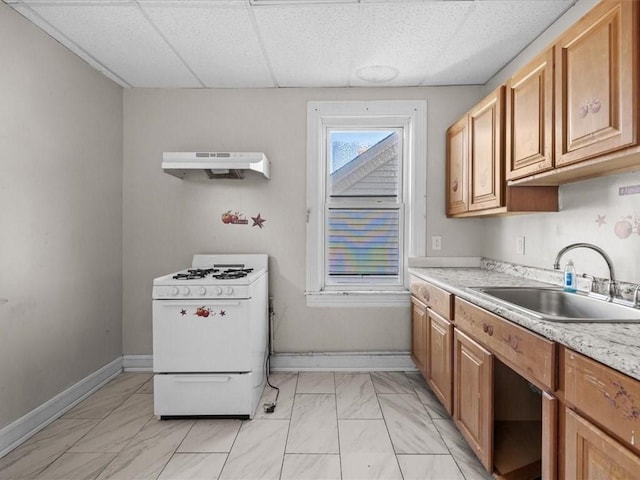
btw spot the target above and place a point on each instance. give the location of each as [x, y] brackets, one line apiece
[377, 73]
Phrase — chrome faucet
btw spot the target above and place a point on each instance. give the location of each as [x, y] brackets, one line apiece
[612, 276]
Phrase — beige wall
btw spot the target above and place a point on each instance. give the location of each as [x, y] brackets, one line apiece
[590, 211]
[60, 218]
[167, 220]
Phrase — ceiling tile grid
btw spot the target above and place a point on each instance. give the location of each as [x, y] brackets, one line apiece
[294, 43]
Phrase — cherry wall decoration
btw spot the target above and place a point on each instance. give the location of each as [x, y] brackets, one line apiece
[236, 218]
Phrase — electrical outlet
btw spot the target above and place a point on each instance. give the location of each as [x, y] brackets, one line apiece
[520, 245]
[436, 243]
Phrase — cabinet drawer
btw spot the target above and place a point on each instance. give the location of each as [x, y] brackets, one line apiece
[608, 397]
[440, 301]
[531, 355]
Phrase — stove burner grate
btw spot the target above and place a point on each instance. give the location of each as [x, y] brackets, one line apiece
[195, 273]
[232, 273]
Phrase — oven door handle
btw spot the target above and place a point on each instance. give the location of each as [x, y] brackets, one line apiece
[199, 303]
[202, 378]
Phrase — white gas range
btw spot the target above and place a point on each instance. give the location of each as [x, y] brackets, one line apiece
[210, 331]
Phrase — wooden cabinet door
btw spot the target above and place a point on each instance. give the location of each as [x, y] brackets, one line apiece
[597, 83]
[591, 454]
[458, 167]
[486, 153]
[473, 396]
[529, 118]
[440, 358]
[419, 335]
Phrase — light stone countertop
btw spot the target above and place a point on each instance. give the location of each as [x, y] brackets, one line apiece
[616, 345]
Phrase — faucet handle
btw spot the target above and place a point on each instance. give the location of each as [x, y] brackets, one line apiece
[590, 277]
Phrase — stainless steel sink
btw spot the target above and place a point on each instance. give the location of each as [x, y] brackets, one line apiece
[557, 305]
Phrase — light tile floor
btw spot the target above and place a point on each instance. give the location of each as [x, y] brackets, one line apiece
[327, 426]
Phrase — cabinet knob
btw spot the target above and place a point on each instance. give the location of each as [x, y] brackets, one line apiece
[488, 329]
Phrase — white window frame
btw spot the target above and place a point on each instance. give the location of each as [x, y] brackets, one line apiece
[411, 116]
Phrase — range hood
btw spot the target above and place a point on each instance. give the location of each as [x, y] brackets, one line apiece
[215, 164]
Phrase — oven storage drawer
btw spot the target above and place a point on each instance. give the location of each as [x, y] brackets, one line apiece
[203, 394]
[192, 336]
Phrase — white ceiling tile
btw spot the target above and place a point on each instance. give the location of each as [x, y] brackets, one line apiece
[408, 36]
[118, 36]
[493, 33]
[206, 35]
[309, 45]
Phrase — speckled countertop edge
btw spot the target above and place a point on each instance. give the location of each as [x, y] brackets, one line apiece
[616, 345]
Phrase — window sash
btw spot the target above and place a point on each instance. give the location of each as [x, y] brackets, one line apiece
[363, 245]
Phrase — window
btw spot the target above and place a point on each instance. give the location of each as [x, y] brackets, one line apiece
[366, 200]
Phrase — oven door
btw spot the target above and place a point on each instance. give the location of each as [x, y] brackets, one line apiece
[191, 336]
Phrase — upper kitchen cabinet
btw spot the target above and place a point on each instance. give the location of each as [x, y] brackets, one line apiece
[529, 126]
[476, 182]
[486, 151]
[596, 83]
[457, 167]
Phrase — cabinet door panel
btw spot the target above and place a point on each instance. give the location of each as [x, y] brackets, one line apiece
[596, 83]
[440, 364]
[419, 336]
[486, 153]
[457, 167]
[529, 133]
[473, 396]
[592, 455]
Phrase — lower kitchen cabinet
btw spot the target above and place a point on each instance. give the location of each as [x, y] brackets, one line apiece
[419, 335]
[440, 359]
[591, 454]
[473, 396]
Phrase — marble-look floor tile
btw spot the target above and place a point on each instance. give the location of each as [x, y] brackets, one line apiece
[311, 467]
[77, 466]
[426, 396]
[366, 451]
[209, 436]
[391, 382]
[429, 467]
[257, 452]
[108, 398]
[471, 467]
[410, 427]
[286, 382]
[33, 456]
[314, 427]
[149, 451]
[356, 397]
[316, 382]
[194, 466]
[118, 428]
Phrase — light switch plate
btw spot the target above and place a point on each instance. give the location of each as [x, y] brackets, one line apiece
[436, 243]
[520, 245]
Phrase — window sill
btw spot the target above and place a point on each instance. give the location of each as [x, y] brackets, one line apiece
[383, 298]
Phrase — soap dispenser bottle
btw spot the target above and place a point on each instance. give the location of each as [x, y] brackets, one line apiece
[570, 277]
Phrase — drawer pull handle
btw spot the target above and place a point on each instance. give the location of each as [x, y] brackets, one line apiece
[488, 329]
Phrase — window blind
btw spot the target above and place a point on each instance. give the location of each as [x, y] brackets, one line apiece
[363, 242]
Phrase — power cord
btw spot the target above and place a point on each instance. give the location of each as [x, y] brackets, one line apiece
[270, 407]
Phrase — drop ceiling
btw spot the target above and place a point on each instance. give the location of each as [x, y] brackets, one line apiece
[299, 43]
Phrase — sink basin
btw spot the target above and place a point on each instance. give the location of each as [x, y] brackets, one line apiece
[557, 305]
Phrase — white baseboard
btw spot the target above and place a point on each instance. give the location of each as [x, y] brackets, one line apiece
[137, 363]
[342, 361]
[17, 432]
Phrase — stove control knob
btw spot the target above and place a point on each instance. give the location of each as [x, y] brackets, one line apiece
[174, 291]
[218, 291]
[229, 291]
[185, 291]
[202, 291]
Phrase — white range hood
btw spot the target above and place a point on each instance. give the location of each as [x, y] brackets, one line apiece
[215, 164]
